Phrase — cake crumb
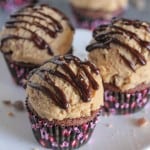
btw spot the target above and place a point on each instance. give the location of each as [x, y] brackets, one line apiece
[19, 105]
[11, 114]
[142, 122]
[7, 102]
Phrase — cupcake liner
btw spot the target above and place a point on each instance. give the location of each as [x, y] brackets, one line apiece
[87, 22]
[19, 71]
[60, 137]
[125, 103]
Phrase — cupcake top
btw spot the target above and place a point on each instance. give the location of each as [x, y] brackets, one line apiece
[103, 5]
[122, 52]
[36, 33]
[65, 88]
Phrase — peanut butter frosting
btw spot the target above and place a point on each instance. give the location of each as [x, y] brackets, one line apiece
[103, 5]
[65, 88]
[35, 34]
[121, 51]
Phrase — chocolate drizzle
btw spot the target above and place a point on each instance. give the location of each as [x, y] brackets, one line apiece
[37, 24]
[57, 27]
[56, 23]
[36, 13]
[104, 36]
[135, 23]
[76, 80]
[38, 41]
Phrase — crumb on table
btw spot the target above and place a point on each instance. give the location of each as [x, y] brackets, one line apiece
[7, 102]
[19, 105]
[142, 122]
[11, 114]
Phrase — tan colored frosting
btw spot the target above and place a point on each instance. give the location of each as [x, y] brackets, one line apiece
[26, 51]
[113, 68]
[46, 108]
[103, 5]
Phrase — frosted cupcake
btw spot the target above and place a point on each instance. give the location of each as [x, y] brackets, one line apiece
[63, 100]
[91, 13]
[121, 51]
[33, 35]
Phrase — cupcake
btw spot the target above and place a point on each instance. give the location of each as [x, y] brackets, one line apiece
[63, 100]
[121, 52]
[91, 13]
[32, 36]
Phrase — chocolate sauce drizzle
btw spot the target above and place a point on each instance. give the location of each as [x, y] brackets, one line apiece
[135, 23]
[77, 81]
[55, 24]
[38, 41]
[18, 19]
[64, 17]
[104, 37]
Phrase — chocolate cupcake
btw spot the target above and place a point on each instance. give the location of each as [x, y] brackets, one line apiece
[32, 36]
[63, 100]
[121, 51]
[91, 13]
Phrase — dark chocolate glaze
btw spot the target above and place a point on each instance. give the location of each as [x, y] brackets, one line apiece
[121, 31]
[64, 17]
[12, 37]
[16, 22]
[104, 37]
[38, 41]
[135, 23]
[57, 26]
[128, 62]
[50, 32]
[60, 96]
[92, 66]
[46, 91]
[76, 80]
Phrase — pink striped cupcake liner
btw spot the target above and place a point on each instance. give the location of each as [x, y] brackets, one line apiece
[59, 137]
[19, 71]
[125, 103]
